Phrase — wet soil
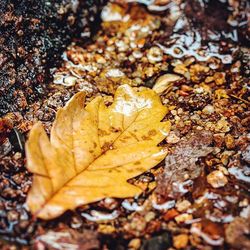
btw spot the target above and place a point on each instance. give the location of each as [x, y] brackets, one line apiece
[204, 43]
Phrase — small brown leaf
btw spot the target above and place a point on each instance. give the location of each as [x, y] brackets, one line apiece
[237, 233]
[93, 151]
[182, 162]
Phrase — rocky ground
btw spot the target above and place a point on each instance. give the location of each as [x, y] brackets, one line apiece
[198, 198]
[33, 36]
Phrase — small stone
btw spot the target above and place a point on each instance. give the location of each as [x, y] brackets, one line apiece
[197, 71]
[209, 79]
[149, 216]
[76, 222]
[223, 170]
[221, 93]
[134, 244]
[183, 93]
[243, 203]
[186, 88]
[177, 118]
[5, 147]
[110, 203]
[180, 111]
[180, 69]
[131, 58]
[219, 139]
[110, 14]
[172, 138]
[137, 224]
[155, 55]
[217, 179]
[137, 54]
[199, 90]
[189, 61]
[180, 241]
[222, 125]
[64, 80]
[106, 229]
[183, 205]
[183, 217]
[149, 71]
[208, 110]
[225, 157]
[219, 78]
[70, 81]
[245, 212]
[12, 215]
[114, 73]
[173, 112]
[100, 59]
[195, 117]
[110, 48]
[170, 214]
[229, 140]
[199, 128]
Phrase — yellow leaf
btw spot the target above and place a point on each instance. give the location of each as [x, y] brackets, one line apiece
[93, 151]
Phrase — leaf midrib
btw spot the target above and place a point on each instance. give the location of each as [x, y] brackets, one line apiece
[67, 182]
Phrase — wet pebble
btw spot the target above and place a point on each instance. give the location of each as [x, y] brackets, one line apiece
[182, 218]
[217, 179]
[230, 142]
[183, 205]
[180, 241]
[154, 55]
[172, 138]
[134, 244]
[208, 110]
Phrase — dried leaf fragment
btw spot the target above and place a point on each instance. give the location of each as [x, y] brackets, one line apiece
[93, 151]
[182, 162]
[237, 233]
[165, 82]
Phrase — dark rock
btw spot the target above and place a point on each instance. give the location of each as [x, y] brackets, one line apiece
[160, 242]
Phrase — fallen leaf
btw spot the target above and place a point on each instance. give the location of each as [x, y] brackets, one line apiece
[165, 82]
[181, 163]
[93, 151]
